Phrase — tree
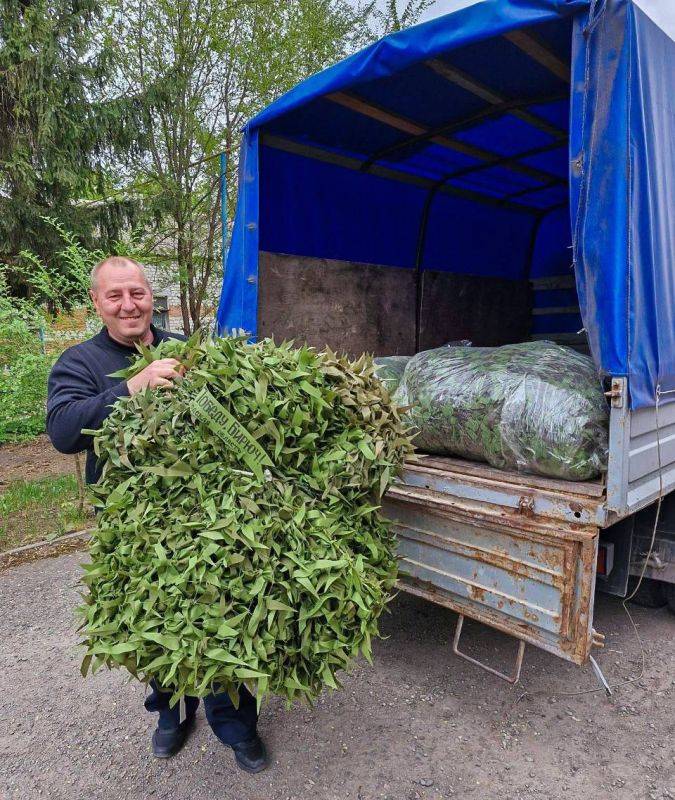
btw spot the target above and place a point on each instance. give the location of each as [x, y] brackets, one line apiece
[390, 19]
[55, 127]
[199, 69]
[125, 105]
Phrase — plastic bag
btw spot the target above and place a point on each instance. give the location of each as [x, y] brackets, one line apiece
[389, 369]
[533, 407]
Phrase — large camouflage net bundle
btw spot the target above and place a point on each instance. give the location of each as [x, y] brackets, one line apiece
[534, 407]
[212, 566]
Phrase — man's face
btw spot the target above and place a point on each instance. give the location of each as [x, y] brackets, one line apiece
[123, 300]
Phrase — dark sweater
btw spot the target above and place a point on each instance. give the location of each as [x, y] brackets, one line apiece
[81, 393]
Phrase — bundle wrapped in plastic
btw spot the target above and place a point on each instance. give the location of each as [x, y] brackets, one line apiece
[389, 369]
[534, 407]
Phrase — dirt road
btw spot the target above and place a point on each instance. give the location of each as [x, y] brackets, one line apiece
[420, 724]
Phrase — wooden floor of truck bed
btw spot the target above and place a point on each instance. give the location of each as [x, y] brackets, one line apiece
[462, 466]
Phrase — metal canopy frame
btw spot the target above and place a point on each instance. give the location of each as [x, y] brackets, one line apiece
[349, 162]
[491, 111]
[380, 162]
[471, 85]
[355, 103]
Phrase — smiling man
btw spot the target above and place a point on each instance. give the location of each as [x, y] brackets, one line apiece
[81, 392]
[81, 395]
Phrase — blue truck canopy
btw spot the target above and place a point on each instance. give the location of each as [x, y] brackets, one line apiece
[512, 162]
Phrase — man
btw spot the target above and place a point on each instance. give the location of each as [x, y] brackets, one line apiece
[81, 394]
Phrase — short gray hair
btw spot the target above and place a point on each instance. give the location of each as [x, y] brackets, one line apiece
[114, 261]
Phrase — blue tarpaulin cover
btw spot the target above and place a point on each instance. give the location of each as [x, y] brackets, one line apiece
[524, 170]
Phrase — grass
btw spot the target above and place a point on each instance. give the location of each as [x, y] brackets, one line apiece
[41, 509]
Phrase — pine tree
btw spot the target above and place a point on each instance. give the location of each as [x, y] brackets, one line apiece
[56, 128]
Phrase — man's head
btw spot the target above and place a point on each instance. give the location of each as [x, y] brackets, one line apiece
[122, 297]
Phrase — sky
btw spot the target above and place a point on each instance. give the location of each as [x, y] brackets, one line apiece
[661, 11]
[443, 7]
[439, 8]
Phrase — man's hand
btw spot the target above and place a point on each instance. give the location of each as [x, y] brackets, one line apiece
[160, 373]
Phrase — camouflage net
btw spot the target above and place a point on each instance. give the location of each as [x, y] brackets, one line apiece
[390, 369]
[533, 407]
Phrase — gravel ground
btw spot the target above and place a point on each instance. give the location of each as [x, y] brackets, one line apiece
[420, 724]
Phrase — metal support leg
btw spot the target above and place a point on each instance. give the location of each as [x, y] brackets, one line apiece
[509, 678]
[600, 676]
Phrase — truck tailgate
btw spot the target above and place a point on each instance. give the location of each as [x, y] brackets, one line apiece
[514, 552]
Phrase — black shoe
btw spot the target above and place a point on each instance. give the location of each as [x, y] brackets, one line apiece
[251, 755]
[167, 742]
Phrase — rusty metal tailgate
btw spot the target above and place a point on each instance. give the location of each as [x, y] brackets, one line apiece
[497, 558]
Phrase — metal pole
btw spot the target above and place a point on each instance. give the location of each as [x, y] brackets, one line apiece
[223, 207]
[419, 258]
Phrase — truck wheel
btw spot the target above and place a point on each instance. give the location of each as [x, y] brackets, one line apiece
[670, 596]
[651, 593]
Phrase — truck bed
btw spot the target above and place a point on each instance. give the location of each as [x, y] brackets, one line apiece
[575, 501]
[514, 551]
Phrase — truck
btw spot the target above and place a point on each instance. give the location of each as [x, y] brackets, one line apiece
[500, 174]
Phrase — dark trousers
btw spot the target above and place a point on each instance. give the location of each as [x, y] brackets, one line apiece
[231, 725]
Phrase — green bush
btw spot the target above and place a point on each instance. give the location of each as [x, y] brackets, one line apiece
[24, 370]
[16, 340]
[23, 395]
